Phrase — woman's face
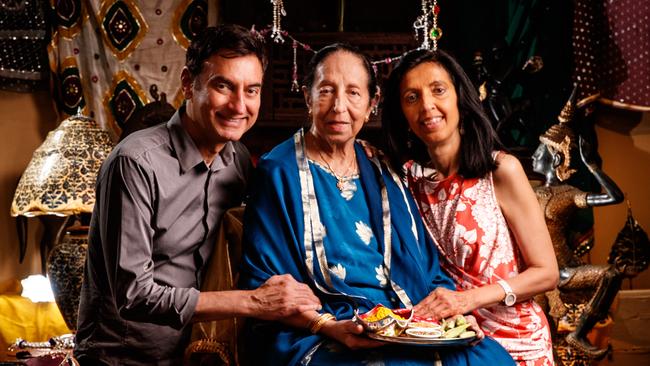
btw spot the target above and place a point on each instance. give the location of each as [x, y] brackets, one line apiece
[430, 104]
[339, 99]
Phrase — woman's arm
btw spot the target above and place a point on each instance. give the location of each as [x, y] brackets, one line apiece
[526, 222]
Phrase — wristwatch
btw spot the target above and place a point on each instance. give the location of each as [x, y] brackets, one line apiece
[510, 298]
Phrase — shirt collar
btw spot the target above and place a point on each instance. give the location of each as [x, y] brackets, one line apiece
[224, 158]
[187, 153]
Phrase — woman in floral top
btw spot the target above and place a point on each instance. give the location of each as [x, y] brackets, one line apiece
[476, 203]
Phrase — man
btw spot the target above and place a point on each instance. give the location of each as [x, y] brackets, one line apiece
[160, 198]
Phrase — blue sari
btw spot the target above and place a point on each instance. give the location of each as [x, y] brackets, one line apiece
[360, 247]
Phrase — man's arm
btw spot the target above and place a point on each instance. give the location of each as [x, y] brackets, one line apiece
[278, 297]
[126, 195]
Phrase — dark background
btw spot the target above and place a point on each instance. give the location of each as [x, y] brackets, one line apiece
[506, 32]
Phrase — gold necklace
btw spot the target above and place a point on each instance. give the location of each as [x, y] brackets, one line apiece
[340, 180]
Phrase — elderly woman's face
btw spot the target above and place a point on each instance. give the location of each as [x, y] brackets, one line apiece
[430, 104]
[339, 98]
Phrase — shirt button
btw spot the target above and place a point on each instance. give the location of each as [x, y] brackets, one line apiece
[148, 266]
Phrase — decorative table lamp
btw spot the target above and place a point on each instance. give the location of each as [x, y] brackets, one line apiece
[60, 180]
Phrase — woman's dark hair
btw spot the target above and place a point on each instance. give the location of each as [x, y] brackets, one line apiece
[236, 39]
[317, 59]
[479, 138]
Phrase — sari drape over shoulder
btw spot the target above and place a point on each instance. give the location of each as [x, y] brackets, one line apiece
[283, 233]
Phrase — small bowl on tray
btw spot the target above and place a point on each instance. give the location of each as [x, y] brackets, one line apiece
[383, 321]
[429, 333]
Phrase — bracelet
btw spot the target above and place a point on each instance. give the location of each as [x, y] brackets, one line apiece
[317, 323]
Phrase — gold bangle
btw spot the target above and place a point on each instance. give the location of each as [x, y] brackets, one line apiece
[313, 320]
[316, 324]
[322, 319]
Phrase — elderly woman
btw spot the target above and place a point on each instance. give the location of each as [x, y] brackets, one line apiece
[476, 202]
[343, 224]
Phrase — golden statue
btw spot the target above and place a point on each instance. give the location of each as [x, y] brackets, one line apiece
[600, 283]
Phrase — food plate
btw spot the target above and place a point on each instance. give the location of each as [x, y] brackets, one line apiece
[401, 326]
[416, 341]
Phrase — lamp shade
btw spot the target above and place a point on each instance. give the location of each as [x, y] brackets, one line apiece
[60, 178]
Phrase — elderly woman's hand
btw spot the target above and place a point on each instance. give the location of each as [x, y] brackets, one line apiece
[349, 334]
[473, 325]
[282, 296]
[443, 303]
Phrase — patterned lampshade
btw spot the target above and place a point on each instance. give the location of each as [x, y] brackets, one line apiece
[60, 178]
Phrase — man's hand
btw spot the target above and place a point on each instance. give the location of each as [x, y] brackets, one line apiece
[443, 303]
[349, 334]
[370, 150]
[282, 296]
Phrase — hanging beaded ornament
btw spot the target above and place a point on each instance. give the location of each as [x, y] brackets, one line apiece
[278, 13]
[435, 32]
[295, 86]
[430, 36]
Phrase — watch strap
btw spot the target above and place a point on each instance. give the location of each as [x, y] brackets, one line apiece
[510, 295]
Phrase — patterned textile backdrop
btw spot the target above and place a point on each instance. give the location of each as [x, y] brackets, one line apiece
[611, 42]
[110, 58]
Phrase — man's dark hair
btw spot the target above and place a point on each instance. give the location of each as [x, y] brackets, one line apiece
[318, 58]
[237, 40]
[479, 138]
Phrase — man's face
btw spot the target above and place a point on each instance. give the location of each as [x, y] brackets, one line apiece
[223, 101]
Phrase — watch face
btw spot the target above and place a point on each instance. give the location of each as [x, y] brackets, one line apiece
[510, 299]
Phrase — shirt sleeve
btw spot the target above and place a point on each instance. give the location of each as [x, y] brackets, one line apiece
[127, 236]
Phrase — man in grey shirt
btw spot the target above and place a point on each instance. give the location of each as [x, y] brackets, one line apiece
[161, 195]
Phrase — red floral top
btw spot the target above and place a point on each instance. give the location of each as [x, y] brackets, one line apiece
[477, 248]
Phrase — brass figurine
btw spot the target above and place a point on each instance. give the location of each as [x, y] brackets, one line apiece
[559, 202]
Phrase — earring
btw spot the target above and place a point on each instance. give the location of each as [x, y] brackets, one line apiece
[374, 109]
[461, 129]
[409, 139]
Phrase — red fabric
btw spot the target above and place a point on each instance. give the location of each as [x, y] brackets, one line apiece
[477, 248]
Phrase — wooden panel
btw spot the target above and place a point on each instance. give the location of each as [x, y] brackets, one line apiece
[283, 108]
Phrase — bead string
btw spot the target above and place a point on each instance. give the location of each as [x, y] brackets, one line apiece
[295, 86]
[430, 36]
[436, 32]
[278, 13]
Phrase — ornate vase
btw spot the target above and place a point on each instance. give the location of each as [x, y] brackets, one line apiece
[65, 268]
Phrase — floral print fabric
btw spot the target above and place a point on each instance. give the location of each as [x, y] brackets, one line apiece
[477, 248]
[353, 253]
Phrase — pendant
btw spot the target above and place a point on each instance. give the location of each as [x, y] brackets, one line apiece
[340, 184]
